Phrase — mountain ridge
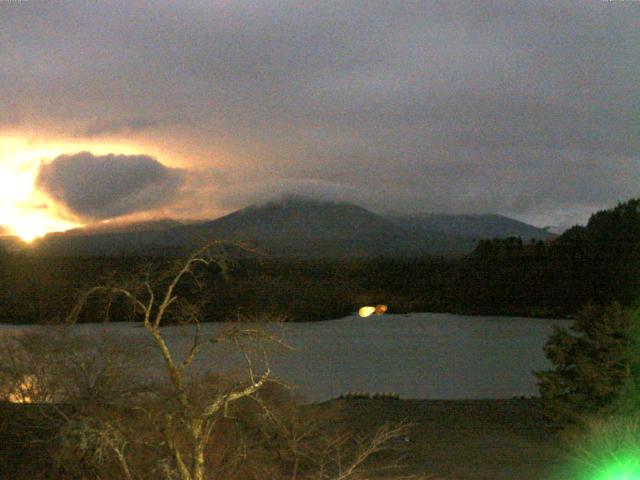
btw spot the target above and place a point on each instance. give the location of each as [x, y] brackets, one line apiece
[301, 228]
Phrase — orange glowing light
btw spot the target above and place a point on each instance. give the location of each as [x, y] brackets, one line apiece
[380, 309]
[368, 310]
[24, 392]
[25, 211]
[365, 312]
[20, 203]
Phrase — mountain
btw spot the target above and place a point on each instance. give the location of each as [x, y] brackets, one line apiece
[291, 228]
[121, 227]
[296, 228]
[476, 227]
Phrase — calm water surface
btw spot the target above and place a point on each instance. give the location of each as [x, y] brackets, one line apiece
[419, 355]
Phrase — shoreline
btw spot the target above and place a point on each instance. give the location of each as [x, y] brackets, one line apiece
[353, 316]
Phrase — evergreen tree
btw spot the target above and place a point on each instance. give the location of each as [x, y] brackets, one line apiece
[593, 365]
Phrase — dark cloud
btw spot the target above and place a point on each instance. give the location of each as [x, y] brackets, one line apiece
[510, 106]
[107, 186]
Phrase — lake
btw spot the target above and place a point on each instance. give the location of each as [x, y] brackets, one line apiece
[418, 355]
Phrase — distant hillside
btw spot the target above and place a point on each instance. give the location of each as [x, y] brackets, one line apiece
[302, 229]
[119, 227]
[476, 227]
[593, 264]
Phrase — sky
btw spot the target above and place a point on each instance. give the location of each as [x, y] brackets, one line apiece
[128, 110]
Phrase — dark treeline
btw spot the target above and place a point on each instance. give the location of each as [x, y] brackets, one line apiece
[598, 263]
[43, 289]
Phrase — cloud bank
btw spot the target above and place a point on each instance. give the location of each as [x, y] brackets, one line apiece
[102, 187]
[511, 106]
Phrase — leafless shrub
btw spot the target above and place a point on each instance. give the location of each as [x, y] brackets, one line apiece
[189, 426]
[61, 366]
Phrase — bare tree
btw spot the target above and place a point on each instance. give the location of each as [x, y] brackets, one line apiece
[166, 429]
[197, 417]
[316, 445]
[58, 365]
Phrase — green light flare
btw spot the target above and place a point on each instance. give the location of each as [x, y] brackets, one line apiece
[626, 467]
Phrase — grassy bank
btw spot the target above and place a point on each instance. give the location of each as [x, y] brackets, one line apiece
[469, 439]
[465, 440]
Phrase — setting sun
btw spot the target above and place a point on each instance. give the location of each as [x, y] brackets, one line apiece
[31, 226]
[25, 211]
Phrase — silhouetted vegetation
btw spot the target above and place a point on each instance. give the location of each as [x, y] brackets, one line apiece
[592, 393]
[105, 415]
[594, 366]
[42, 289]
[597, 263]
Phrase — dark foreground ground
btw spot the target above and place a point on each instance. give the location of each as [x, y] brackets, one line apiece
[469, 439]
[454, 440]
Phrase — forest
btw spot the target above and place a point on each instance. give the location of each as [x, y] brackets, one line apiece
[595, 263]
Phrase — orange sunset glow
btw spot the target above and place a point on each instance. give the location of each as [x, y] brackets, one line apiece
[24, 210]
[319, 239]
